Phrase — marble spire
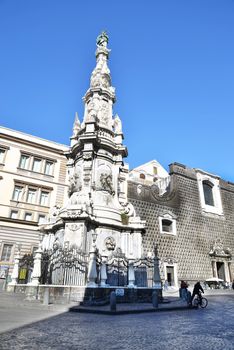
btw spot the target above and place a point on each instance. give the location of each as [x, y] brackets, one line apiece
[100, 96]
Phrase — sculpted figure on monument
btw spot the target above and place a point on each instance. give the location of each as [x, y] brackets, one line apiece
[92, 111]
[76, 126]
[104, 113]
[101, 75]
[74, 184]
[117, 125]
[102, 39]
[105, 81]
[106, 182]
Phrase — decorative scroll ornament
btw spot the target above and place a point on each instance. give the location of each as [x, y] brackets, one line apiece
[74, 213]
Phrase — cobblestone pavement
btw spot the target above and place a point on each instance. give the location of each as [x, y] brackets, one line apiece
[211, 328]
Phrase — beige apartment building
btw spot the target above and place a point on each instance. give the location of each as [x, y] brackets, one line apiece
[33, 178]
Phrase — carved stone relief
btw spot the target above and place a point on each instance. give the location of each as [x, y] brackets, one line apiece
[103, 115]
[106, 183]
[110, 243]
[74, 233]
[104, 178]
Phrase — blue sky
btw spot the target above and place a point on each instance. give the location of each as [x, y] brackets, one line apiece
[172, 64]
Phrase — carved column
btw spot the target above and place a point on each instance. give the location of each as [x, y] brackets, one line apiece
[226, 271]
[230, 271]
[214, 268]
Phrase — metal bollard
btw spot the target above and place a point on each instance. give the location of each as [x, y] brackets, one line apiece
[46, 296]
[113, 301]
[155, 299]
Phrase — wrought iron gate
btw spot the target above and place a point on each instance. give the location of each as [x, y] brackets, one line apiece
[117, 269]
[64, 266]
[144, 272]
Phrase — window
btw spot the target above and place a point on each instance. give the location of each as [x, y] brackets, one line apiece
[44, 198]
[17, 194]
[167, 224]
[14, 214]
[41, 219]
[142, 176]
[7, 252]
[31, 196]
[36, 165]
[48, 167]
[155, 170]
[24, 162]
[208, 192]
[28, 216]
[2, 155]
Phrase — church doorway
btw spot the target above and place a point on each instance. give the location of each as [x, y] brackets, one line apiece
[220, 270]
[170, 275]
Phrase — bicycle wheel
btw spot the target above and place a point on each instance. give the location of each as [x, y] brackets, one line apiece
[195, 302]
[204, 303]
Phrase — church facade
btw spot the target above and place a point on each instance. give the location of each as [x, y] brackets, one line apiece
[191, 222]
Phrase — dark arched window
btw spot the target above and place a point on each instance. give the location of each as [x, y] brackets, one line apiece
[142, 176]
[208, 192]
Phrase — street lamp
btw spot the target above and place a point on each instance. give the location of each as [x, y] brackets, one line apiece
[94, 236]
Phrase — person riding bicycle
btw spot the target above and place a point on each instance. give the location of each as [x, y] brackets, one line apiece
[197, 289]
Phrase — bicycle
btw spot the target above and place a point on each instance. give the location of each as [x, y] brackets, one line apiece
[200, 301]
